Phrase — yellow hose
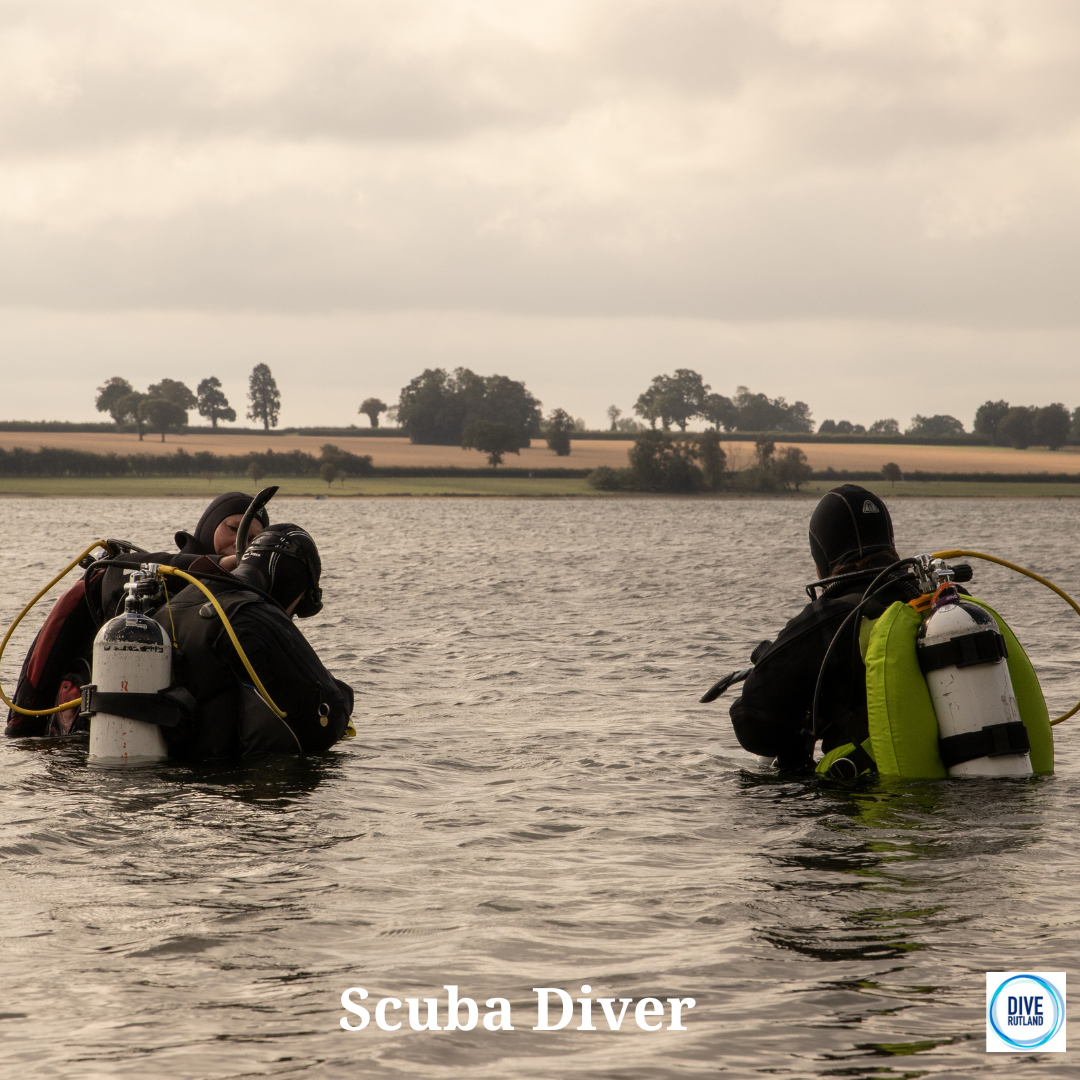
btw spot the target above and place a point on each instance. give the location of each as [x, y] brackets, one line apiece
[959, 553]
[174, 572]
[19, 618]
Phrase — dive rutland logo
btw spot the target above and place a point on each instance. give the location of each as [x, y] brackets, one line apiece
[1025, 1012]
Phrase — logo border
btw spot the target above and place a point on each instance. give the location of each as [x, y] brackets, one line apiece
[1060, 1005]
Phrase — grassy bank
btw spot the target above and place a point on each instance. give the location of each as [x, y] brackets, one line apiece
[497, 486]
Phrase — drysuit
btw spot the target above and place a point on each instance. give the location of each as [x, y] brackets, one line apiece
[772, 716]
[232, 719]
[850, 528]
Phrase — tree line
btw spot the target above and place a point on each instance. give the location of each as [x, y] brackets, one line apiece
[498, 415]
[1027, 425]
[165, 404]
[331, 464]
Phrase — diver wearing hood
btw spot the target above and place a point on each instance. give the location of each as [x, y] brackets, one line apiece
[232, 719]
[215, 533]
[851, 537]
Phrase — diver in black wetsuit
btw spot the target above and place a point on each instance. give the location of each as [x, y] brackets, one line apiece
[232, 719]
[851, 534]
[59, 659]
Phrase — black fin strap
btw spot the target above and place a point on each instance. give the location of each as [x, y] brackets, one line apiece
[985, 647]
[995, 740]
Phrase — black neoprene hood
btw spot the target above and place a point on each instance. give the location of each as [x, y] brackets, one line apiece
[849, 523]
[201, 542]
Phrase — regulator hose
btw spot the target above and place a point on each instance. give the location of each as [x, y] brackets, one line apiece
[19, 618]
[960, 553]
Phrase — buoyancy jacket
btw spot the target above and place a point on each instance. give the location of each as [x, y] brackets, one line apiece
[62, 651]
[902, 737]
[232, 720]
[772, 715]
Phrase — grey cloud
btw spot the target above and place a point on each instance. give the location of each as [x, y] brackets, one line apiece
[680, 159]
[289, 251]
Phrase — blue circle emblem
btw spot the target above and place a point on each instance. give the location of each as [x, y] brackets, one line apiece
[1026, 1011]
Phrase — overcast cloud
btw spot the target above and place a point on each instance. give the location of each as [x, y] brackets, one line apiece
[855, 202]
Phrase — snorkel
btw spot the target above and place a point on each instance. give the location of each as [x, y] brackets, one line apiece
[254, 507]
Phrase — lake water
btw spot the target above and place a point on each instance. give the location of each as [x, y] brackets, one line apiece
[535, 799]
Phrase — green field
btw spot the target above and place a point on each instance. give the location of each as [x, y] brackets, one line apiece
[498, 486]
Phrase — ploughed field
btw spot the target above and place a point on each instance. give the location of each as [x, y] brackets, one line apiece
[585, 453]
[535, 799]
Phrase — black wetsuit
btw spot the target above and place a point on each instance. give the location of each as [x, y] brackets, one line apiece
[772, 717]
[232, 720]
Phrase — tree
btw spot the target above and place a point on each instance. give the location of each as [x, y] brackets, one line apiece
[891, 471]
[1074, 433]
[330, 472]
[792, 468]
[435, 408]
[884, 427]
[255, 470]
[162, 415]
[827, 427]
[713, 460]
[1017, 427]
[371, 408]
[491, 438]
[176, 392]
[613, 414]
[988, 417]
[212, 402]
[559, 426]
[1052, 425]
[345, 463]
[844, 427]
[659, 463]
[674, 398]
[264, 397]
[128, 409]
[110, 395]
[720, 411]
[756, 412]
[647, 407]
[935, 427]
[629, 425]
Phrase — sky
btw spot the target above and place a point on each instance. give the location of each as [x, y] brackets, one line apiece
[867, 205]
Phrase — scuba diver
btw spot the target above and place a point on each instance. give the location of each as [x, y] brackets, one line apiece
[58, 660]
[278, 576]
[851, 542]
[215, 534]
[892, 666]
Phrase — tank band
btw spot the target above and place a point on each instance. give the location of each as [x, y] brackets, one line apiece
[166, 708]
[985, 647]
[996, 740]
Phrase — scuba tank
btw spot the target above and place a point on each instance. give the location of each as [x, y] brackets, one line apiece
[962, 657]
[132, 655]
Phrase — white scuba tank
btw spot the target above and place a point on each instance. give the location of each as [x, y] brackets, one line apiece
[975, 694]
[132, 655]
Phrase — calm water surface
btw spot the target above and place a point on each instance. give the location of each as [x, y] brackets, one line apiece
[535, 799]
